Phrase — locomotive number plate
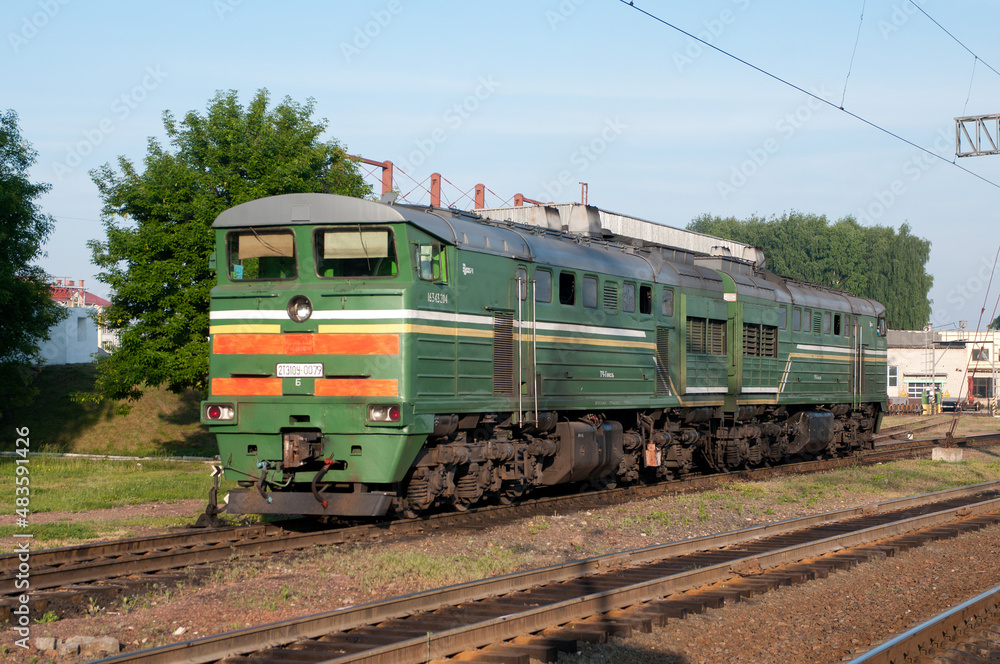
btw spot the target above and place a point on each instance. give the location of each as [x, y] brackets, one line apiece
[300, 370]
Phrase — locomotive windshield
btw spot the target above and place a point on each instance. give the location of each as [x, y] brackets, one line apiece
[355, 251]
[254, 255]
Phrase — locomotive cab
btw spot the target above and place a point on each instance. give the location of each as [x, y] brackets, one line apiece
[307, 387]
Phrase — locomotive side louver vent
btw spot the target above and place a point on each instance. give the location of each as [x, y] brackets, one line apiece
[715, 337]
[611, 298]
[768, 341]
[503, 354]
[751, 339]
[696, 335]
[662, 360]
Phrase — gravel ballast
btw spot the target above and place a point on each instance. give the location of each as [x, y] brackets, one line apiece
[822, 621]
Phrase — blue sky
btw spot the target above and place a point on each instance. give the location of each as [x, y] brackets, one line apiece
[534, 97]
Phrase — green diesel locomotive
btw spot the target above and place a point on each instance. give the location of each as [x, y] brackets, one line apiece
[370, 358]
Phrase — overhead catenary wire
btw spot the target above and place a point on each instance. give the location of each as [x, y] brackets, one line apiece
[857, 38]
[971, 79]
[959, 41]
[631, 4]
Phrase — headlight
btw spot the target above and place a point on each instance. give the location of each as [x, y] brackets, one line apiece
[220, 412]
[300, 308]
[384, 413]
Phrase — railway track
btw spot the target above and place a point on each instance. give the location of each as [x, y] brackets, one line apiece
[966, 634]
[540, 612]
[65, 577]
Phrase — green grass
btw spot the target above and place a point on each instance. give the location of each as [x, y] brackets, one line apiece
[372, 569]
[160, 424]
[60, 484]
[64, 533]
[894, 479]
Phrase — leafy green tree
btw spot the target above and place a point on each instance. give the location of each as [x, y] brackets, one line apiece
[875, 262]
[158, 223]
[25, 300]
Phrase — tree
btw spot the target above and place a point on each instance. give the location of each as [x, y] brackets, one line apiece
[875, 262]
[159, 235]
[29, 311]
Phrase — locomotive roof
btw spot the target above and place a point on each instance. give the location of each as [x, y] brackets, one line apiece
[543, 245]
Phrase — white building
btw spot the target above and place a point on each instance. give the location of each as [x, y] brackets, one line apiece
[77, 338]
[957, 362]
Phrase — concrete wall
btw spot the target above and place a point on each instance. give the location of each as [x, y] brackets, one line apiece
[73, 340]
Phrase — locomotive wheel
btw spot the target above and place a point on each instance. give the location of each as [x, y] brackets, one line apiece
[512, 492]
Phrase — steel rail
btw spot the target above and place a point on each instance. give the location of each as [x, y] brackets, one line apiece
[132, 546]
[940, 629]
[76, 565]
[516, 623]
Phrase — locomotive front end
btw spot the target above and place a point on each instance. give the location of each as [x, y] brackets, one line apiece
[306, 368]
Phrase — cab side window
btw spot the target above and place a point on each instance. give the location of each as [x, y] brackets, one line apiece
[543, 286]
[431, 264]
[567, 288]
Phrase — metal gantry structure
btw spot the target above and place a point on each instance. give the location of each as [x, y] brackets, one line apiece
[977, 135]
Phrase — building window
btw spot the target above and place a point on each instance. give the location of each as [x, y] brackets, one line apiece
[893, 376]
[982, 387]
[81, 328]
[980, 355]
[916, 389]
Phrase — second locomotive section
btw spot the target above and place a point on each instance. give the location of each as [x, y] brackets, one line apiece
[397, 358]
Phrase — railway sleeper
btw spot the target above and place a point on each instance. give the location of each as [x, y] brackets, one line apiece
[624, 621]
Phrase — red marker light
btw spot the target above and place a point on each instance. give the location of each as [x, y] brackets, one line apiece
[384, 413]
